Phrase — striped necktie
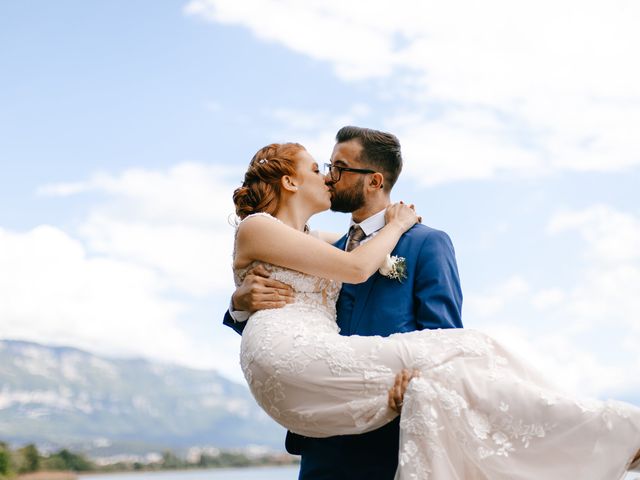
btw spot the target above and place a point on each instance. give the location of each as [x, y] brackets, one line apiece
[356, 235]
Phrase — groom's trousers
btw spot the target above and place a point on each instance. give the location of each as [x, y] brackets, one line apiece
[370, 456]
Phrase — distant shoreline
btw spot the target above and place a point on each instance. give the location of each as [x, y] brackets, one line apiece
[271, 472]
[48, 475]
[69, 475]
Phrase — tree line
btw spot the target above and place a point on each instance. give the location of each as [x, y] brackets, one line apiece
[29, 459]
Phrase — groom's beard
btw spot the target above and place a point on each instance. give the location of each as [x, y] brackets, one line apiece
[348, 201]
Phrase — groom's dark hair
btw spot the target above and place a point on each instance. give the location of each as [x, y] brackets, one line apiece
[380, 151]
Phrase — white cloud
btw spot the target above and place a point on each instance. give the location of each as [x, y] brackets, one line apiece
[186, 193]
[186, 256]
[153, 248]
[314, 28]
[175, 222]
[55, 293]
[612, 237]
[489, 304]
[608, 290]
[464, 144]
[315, 130]
[543, 86]
[548, 298]
[314, 121]
[583, 332]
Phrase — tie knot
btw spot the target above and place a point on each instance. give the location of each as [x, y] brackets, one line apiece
[356, 232]
[356, 235]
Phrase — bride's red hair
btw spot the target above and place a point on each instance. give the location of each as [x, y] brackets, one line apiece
[261, 189]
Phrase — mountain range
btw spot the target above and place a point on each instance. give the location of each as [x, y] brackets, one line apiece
[66, 397]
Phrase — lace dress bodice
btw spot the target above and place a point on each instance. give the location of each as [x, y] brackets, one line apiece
[310, 292]
[319, 294]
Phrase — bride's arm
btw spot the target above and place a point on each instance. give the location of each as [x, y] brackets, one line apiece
[265, 239]
[328, 237]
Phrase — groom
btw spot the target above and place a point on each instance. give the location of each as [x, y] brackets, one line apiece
[365, 165]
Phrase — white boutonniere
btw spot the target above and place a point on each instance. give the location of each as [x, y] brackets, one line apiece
[394, 267]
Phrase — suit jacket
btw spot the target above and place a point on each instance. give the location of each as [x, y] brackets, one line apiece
[430, 297]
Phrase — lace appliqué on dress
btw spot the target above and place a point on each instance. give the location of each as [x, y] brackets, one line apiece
[476, 413]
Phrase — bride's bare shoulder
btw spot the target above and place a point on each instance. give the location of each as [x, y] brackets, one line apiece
[258, 232]
[260, 222]
[250, 231]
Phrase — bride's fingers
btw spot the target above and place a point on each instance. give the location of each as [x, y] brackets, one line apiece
[397, 391]
[405, 381]
[395, 394]
[391, 401]
[402, 380]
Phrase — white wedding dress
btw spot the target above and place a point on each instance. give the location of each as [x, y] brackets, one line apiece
[476, 413]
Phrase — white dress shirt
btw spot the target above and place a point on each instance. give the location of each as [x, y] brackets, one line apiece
[370, 226]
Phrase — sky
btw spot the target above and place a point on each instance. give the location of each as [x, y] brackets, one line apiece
[125, 127]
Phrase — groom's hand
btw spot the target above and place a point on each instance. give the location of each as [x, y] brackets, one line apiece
[396, 393]
[258, 292]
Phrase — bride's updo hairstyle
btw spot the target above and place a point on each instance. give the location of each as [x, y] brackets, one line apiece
[261, 189]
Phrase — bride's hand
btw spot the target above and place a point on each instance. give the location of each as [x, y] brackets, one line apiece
[396, 393]
[401, 214]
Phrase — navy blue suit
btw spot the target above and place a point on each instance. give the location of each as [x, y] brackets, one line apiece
[430, 297]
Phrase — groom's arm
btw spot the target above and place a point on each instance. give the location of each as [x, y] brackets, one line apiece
[229, 321]
[437, 284]
[257, 292]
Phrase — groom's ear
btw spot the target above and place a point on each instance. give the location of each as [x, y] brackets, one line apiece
[289, 183]
[377, 181]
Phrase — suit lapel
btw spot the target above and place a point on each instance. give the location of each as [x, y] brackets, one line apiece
[342, 243]
[362, 296]
[362, 292]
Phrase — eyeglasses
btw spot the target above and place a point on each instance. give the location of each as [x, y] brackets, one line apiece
[335, 172]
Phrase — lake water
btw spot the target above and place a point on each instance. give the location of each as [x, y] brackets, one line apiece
[260, 473]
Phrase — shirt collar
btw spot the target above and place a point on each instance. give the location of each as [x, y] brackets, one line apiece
[372, 224]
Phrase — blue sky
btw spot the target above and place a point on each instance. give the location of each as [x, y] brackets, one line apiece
[126, 126]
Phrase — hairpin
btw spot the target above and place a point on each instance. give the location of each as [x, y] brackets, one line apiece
[263, 161]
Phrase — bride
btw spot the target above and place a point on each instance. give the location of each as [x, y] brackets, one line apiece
[475, 412]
